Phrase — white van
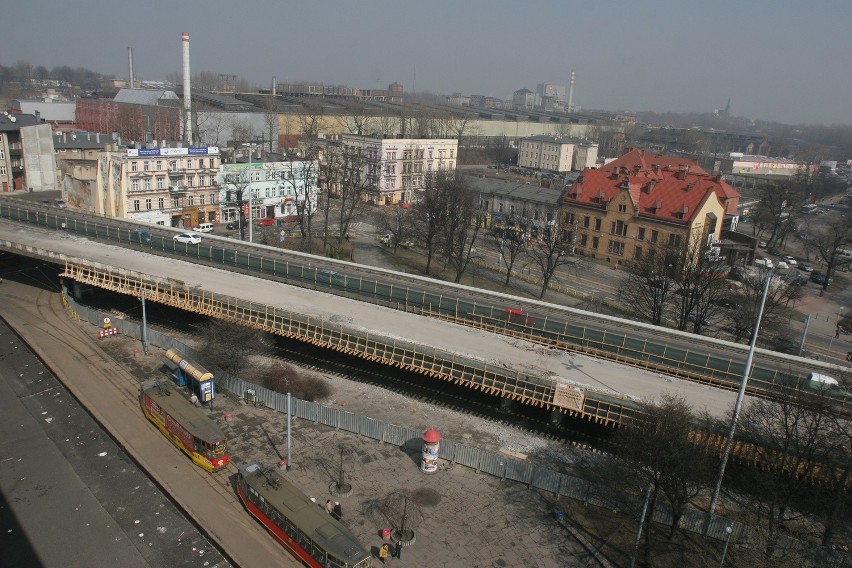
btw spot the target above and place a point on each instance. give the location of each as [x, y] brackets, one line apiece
[820, 381]
[204, 228]
[764, 262]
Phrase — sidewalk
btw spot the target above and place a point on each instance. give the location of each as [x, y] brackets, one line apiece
[460, 517]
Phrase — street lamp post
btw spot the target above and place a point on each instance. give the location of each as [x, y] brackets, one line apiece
[729, 442]
[248, 189]
[729, 530]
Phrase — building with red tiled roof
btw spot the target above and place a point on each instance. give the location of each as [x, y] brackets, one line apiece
[641, 200]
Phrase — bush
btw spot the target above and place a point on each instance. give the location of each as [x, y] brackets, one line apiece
[283, 378]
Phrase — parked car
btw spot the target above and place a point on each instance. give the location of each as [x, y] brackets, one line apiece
[233, 225]
[725, 302]
[406, 244]
[818, 277]
[188, 238]
[790, 260]
[782, 264]
[765, 262]
[806, 267]
[265, 222]
[59, 203]
[774, 251]
[141, 236]
[331, 276]
[204, 228]
[762, 244]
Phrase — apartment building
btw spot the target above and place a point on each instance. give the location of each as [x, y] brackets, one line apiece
[279, 189]
[172, 186]
[27, 160]
[557, 154]
[642, 200]
[397, 169]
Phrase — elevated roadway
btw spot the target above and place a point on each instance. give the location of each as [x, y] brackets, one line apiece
[535, 361]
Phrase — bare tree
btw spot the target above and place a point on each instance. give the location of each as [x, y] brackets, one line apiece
[657, 453]
[648, 285]
[312, 122]
[302, 177]
[779, 295]
[358, 121]
[211, 127]
[270, 119]
[462, 220]
[786, 437]
[429, 218]
[349, 175]
[236, 186]
[511, 240]
[229, 346]
[830, 241]
[548, 250]
[777, 201]
[404, 514]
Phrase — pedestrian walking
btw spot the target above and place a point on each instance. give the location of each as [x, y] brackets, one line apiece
[337, 511]
[329, 508]
[397, 549]
[383, 553]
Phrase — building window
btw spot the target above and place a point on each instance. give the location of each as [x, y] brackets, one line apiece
[212, 198]
[134, 185]
[136, 205]
[584, 240]
[622, 208]
[148, 184]
[616, 247]
[569, 218]
[637, 253]
[146, 165]
[618, 228]
[597, 224]
[595, 242]
[201, 199]
[133, 166]
[640, 236]
[159, 164]
[175, 202]
[148, 204]
[162, 203]
[655, 236]
[191, 200]
[189, 164]
[161, 183]
[674, 240]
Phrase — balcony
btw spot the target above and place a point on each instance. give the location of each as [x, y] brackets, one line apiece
[177, 189]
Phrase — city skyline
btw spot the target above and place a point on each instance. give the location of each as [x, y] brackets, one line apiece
[778, 61]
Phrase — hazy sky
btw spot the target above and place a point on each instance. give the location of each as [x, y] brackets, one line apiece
[788, 61]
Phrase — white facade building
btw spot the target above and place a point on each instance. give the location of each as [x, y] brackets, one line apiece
[397, 169]
[556, 154]
[278, 189]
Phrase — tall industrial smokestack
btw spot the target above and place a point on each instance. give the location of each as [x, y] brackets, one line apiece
[187, 97]
[571, 93]
[274, 86]
[130, 64]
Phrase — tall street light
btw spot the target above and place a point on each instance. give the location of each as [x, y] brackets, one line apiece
[248, 189]
[729, 442]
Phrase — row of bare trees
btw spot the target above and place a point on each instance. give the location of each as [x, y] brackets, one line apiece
[791, 477]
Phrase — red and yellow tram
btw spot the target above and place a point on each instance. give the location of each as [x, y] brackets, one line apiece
[185, 425]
